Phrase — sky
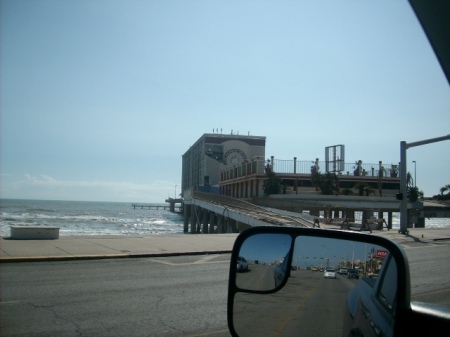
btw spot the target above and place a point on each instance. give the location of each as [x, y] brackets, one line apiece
[101, 98]
[308, 250]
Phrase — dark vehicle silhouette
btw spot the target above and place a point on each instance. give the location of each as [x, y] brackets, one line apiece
[352, 273]
[371, 304]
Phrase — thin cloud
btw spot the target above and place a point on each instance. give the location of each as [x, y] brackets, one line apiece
[32, 186]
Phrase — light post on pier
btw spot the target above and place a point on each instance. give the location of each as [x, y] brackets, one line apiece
[415, 176]
[175, 192]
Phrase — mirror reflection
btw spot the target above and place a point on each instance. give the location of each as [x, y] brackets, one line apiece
[334, 287]
[262, 261]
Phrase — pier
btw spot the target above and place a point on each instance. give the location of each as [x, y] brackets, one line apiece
[150, 206]
[172, 207]
[210, 213]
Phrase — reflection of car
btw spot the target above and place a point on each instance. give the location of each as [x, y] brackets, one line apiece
[329, 273]
[280, 270]
[352, 273]
[242, 264]
[367, 307]
[343, 271]
[371, 304]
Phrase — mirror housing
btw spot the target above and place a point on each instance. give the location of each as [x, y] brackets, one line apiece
[284, 293]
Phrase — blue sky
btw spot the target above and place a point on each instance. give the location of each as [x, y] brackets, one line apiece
[101, 98]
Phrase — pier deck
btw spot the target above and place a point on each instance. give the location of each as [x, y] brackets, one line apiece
[150, 206]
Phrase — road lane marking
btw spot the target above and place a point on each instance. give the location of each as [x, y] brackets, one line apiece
[282, 325]
[205, 260]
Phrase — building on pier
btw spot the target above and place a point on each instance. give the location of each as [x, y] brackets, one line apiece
[213, 153]
[234, 166]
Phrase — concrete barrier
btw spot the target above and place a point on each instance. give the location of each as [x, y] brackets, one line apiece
[34, 232]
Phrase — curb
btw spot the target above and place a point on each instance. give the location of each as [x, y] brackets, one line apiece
[109, 256]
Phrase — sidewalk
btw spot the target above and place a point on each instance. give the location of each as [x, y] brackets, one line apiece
[102, 247]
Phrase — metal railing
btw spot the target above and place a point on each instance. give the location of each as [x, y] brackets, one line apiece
[305, 167]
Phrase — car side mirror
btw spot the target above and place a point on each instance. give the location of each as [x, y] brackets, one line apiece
[292, 285]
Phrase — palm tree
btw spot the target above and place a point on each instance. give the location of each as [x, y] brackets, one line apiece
[272, 185]
[329, 183]
[315, 177]
[363, 188]
[413, 193]
[443, 190]
[409, 179]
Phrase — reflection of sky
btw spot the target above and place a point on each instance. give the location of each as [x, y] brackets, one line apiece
[266, 247]
[310, 251]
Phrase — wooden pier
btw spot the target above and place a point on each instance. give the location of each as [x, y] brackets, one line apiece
[150, 206]
[170, 207]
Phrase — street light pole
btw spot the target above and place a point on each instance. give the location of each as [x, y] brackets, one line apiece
[415, 176]
[175, 191]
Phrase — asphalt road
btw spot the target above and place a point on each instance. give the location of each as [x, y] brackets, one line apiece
[171, 296]
[179, 296]
[429, 266]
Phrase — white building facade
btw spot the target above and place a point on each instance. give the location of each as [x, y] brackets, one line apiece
[213, 153]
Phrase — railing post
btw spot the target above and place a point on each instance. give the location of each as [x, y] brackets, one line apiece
[295, 173]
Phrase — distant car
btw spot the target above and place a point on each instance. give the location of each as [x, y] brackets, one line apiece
[352, 273]
[242, 264]
[329, 273]
[343, 271]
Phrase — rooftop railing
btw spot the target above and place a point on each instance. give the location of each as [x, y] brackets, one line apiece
[260, 166]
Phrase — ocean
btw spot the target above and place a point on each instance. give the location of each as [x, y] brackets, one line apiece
[85, 218]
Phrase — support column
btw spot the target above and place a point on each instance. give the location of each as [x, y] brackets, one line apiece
[257, 188]
[186, 216]
[389, 220]
[225, 220]
[380, 216]
[212, 222]
[205, 221]
[350, 214]
[198, 227]
[420, 220]
[366, 215]
[193, 219]
[314, 212]
[220, 225]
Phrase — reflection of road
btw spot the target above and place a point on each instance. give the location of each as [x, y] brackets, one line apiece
[308, 302]
[259, 277]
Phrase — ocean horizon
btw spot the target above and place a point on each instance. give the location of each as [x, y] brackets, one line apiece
[86, 218]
